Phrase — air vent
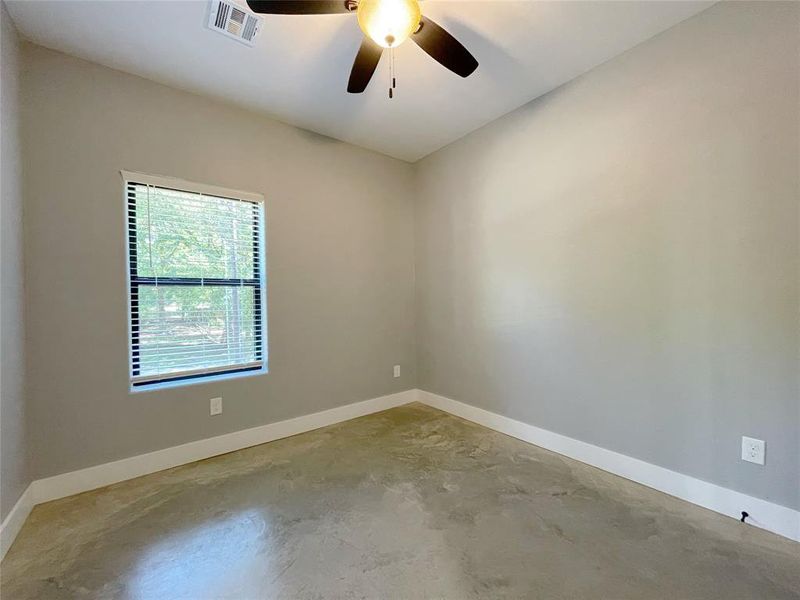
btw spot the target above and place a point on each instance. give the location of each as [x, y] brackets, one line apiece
[234, 21]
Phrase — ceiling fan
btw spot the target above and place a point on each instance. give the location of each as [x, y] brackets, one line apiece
[386, 24]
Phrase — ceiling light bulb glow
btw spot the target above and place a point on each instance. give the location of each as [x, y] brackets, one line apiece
[388, 22]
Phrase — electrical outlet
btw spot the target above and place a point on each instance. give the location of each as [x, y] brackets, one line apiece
[753, 450]
[397, 370]
[216, 406]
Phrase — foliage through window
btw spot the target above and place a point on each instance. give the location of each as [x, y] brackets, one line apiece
[196, 282]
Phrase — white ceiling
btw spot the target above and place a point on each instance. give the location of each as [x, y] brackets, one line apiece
[298, 70]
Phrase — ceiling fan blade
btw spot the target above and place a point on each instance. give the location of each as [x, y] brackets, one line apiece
[300, 7]
[369, 54]
[444, 48]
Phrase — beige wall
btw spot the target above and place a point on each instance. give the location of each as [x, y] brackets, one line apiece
[14, 472]
[339, 261]
[617, 261]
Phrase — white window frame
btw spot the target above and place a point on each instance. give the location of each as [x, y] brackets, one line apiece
[138, 383]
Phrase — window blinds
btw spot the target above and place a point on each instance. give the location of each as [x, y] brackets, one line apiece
[196, 292]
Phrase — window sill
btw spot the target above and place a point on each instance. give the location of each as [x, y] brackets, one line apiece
[165, 385]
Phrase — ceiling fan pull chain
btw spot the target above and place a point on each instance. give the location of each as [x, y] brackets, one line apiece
[394, 71]
[391, 72]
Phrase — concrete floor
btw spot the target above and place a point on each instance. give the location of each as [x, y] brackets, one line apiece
[408, 503]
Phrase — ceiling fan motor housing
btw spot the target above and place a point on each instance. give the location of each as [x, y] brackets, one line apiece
[386, 24]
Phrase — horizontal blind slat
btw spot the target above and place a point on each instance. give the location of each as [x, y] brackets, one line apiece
[209, 371]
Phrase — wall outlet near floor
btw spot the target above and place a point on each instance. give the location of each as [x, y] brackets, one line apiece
[216, 406]
[397, 370]
[753, 450]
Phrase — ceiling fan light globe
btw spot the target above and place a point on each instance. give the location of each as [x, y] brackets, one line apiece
[388, 22]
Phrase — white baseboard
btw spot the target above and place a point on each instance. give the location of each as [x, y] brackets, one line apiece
[83, 480]
[778, 519]
[766, 515]
[14, 521]
[75, 482]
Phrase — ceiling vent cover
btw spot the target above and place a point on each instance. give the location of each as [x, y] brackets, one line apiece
[233, 21]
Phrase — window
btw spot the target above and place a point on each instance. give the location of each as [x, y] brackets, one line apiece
[197, 294]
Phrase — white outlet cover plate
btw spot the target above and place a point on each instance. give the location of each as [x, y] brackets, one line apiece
[216, 406]
[753, 450]
[397, 370]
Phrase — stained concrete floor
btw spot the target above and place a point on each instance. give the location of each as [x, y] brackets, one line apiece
[408, 503]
